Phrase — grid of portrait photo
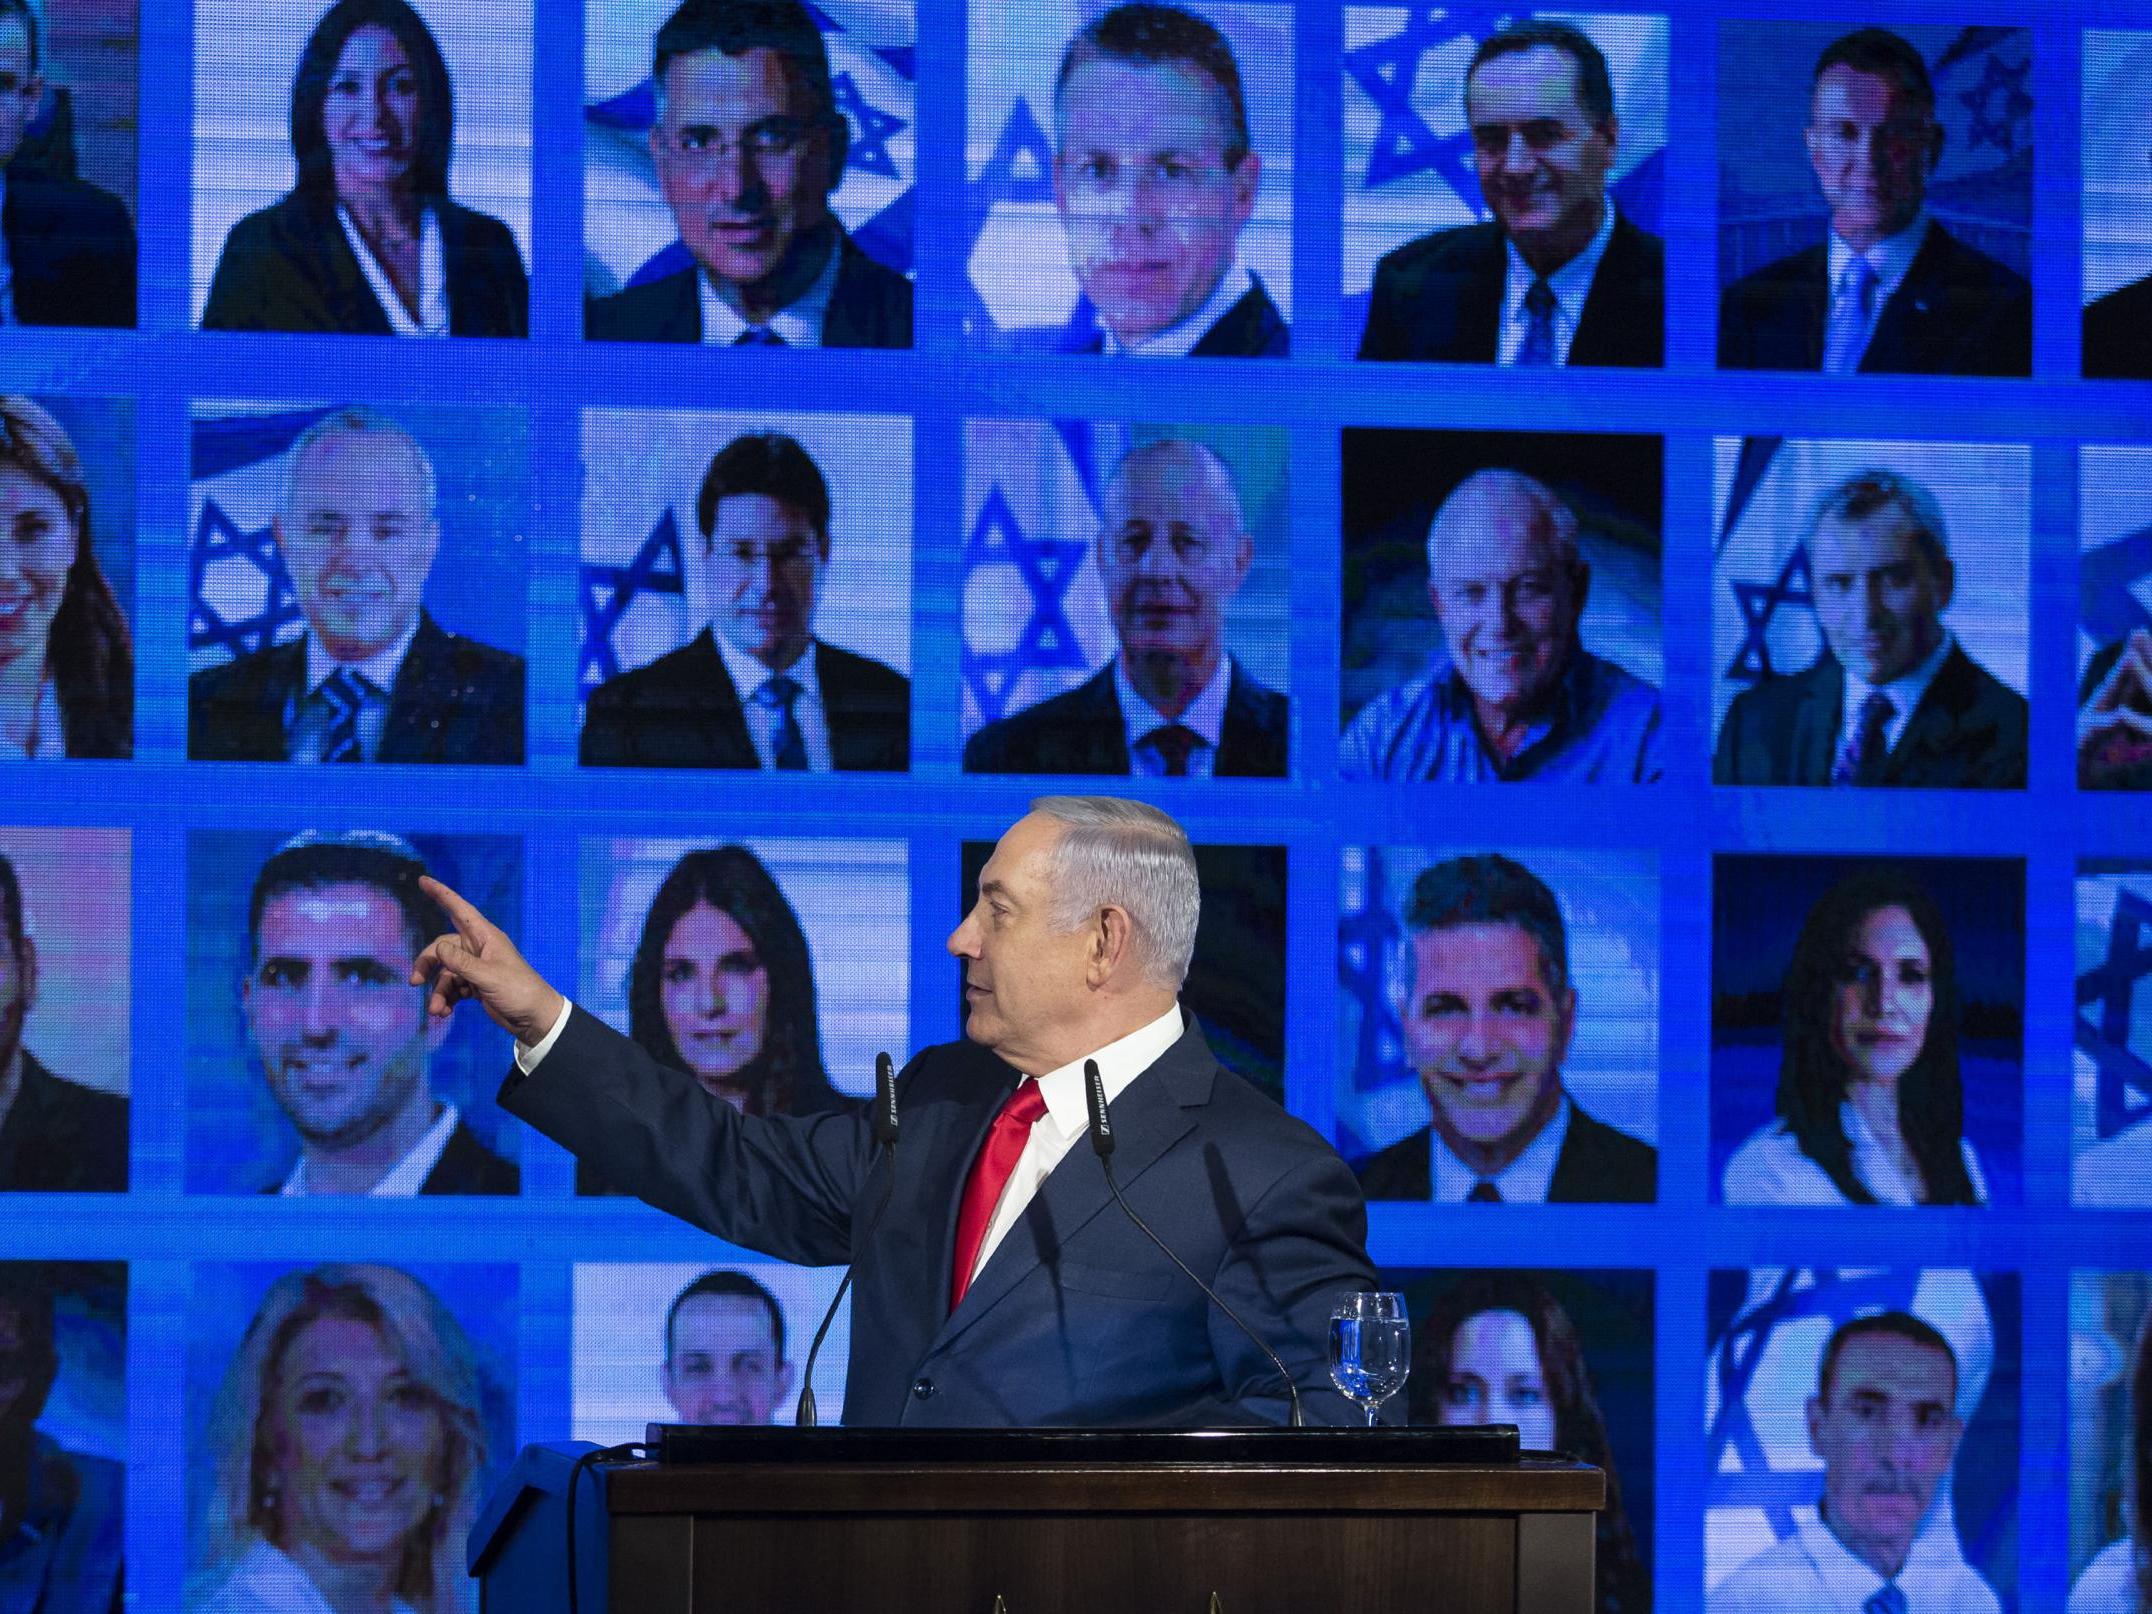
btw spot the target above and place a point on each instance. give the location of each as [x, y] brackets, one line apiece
[1654, 658]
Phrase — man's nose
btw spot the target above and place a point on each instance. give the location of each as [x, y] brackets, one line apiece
[963, 941]
[732, 176]
[317, 1012]
[1476, 1039]
[1517, 154]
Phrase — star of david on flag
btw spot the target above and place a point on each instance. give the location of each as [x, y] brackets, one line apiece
[629, 231]
[2113, 1023]
[239, 596]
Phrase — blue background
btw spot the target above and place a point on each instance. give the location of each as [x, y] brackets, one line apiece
[163, 1231]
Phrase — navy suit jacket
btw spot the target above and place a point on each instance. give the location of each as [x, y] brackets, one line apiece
[72, 248]
[290, 267]
[681, 711]
[455, 700]
[2118, 334]
[1957, 312]
[466, 1166]
[62, 1137]
[1967, 733]
[869, 306]
[1440, 298]
[1251, 329]
[1597, 1164]
[1081, 730]
[1077, 1319]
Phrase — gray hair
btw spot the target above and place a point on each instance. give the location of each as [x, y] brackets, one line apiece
[1128, 855]
[1555, 518]
[1856, 497]
[358, 420]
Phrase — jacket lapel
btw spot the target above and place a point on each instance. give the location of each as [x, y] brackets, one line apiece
[722, 719]
[1932, 730]
[1815, 731]
[1149, 1117]
[405, 734]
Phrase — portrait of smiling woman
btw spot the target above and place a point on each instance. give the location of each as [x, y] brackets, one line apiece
[367, 242]
[66, 657]
[349, 1451]
[1870, 1099]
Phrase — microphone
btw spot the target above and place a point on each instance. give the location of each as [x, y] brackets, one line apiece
[1094, 1092]
[882, 1120]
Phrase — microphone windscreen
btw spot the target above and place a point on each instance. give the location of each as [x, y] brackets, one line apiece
[1094, 1093]
[885, 1101]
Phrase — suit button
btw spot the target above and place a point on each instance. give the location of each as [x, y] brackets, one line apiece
[923, 1389]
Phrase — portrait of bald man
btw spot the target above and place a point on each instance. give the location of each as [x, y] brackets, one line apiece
[1172, 550]
[373, 678]
[1511, 693]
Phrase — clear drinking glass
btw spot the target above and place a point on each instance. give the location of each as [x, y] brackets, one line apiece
[1370, 1348]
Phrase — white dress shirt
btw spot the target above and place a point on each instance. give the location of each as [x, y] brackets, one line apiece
[432, 278]
[1524, 1181]
[1178, 341]
[798, 323]
[2109, 1583]
[1205, 717]
[309, 720]
[749, 675]
[1068, 1117]
[1892, 260]
[1770, 1169]
[1571, 285]
[1904, 693]
[1811, 1572]
[402, 1180]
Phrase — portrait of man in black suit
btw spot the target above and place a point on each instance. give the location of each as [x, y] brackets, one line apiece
[1155, 179]
[374, 678]
[56, 1135]
[1558, 276]
[1489, 1012]
[1892, 699]
[343, 1038]
[756, 688]
[1891, 291]
[748, 144]
[67, 247]
[1173, 548]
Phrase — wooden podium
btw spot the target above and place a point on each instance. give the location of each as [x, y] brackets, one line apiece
[1046, 1522]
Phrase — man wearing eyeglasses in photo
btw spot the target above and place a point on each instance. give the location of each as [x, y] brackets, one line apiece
[756, 688]
[1891, 291]
[748, 144]
[1154, 180]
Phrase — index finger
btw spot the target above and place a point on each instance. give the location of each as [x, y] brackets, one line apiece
[470, 924]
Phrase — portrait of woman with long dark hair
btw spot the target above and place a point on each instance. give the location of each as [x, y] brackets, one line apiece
[721, 989]
[1871, 1105]
[1498, 1348]
[367, 242]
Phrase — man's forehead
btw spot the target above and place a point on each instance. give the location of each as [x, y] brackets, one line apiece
[1892, 1364]
[1167, 487]
[1014, 865]
[706, 1320]
[1107, 104]
[1496, 536]
[1534, 82]
[359, 465]
[1846, 91]
[1883, 536]
[710, 86]
[1490, 955]
[758, 515]
[350, 913]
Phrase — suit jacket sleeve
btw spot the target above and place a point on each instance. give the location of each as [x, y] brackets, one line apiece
[783, 1185]
[1301, 1247]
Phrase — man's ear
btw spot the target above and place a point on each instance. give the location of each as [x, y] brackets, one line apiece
[1112, 941]
[1815, 1410]
[26, 967]
[782, 1379]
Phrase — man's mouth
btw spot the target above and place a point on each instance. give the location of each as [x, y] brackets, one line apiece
[1488, 1088]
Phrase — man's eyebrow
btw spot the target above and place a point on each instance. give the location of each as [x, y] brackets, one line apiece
[994, 888]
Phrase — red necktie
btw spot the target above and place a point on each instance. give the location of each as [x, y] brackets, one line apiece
[989, 1175]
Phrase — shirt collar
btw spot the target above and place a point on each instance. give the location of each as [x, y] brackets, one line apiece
[1524, 1181]
[1905, 692]
[1891, 258]
[749, 675]
[1849, 1580]
[1571, 283]
[407, 1176]
[1205, 714]
[799, 322]
[379, 669]
[1569, 693]
[1119, 1063]
[1178, 341]
[433, 317]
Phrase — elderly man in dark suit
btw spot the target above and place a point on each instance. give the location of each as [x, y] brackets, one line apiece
[67, 248]
[1891, 291]
[1559, 276]
[1003, 1288]
[756, 688]
[748, 144]
[1155, 181]
[374, 678]
[1173, 549]
[1488, 1016]
[56, 1136]
[344, 1043]
[1892, 699]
